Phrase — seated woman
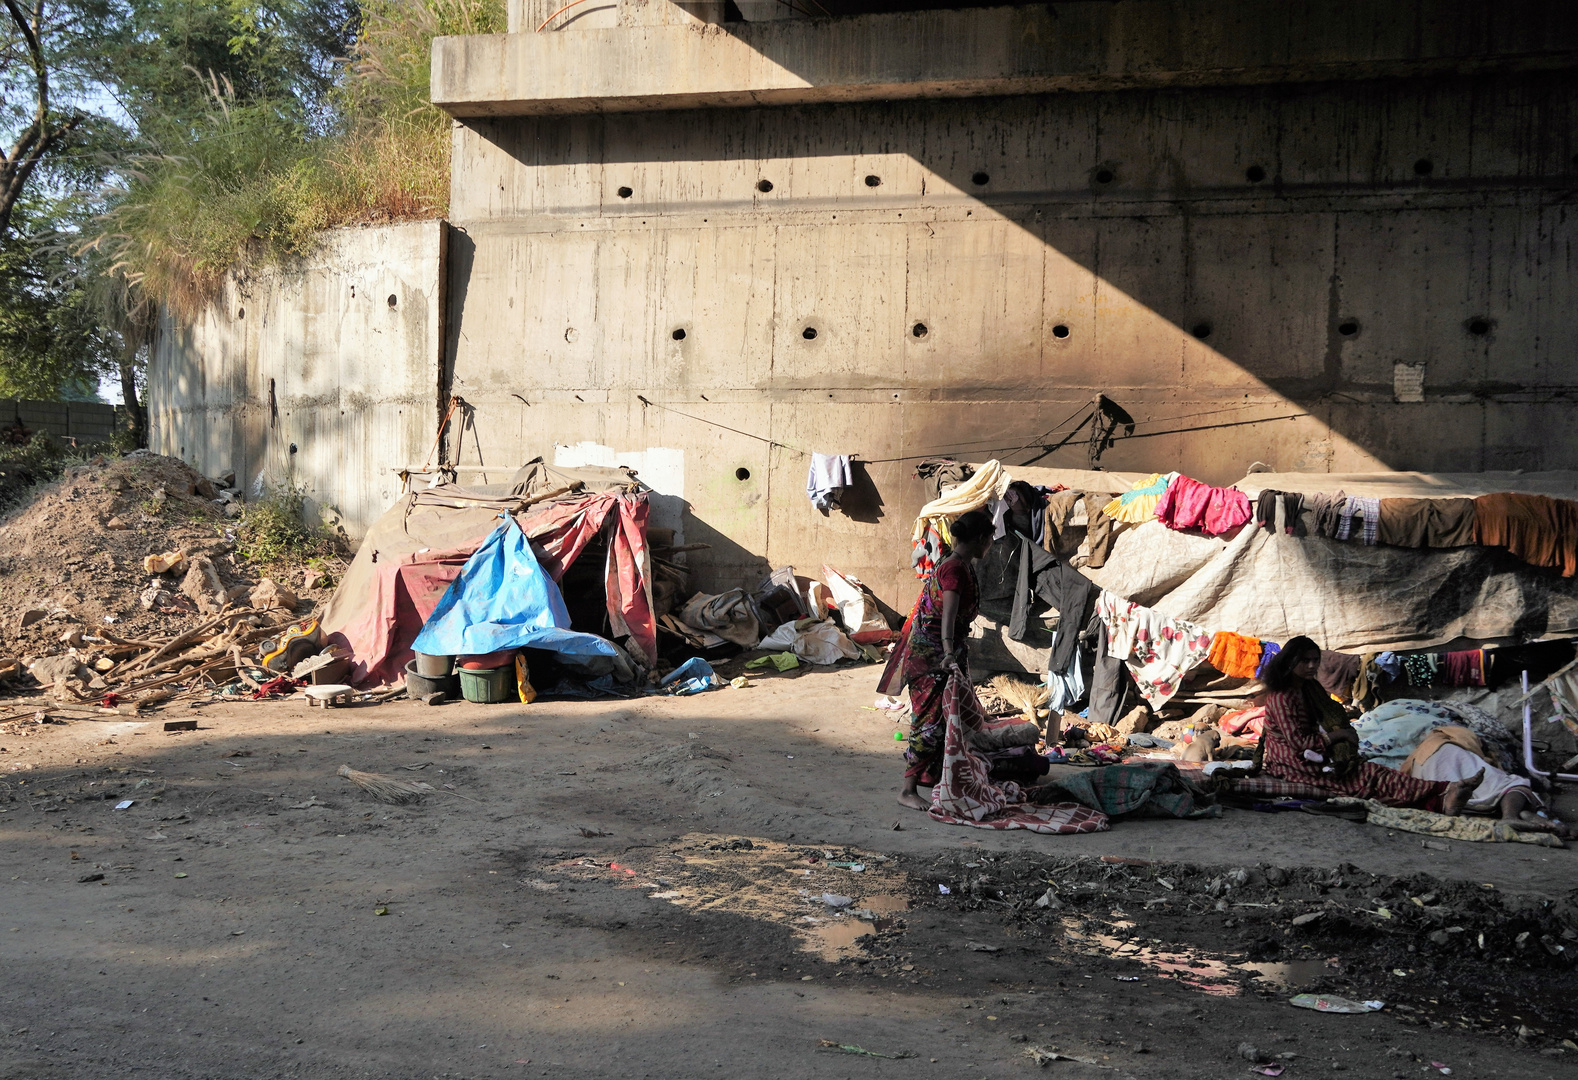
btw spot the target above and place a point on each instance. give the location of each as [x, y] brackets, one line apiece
[934, 647]
[1307, 739]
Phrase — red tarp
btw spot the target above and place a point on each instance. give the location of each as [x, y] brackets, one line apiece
[379, 624]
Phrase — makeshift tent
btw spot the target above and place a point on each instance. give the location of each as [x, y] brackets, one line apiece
[412, 554]
[1346, 595]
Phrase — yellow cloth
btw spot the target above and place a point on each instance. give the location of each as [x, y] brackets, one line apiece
[1136, 508]
[989, 482]
[1439, 737]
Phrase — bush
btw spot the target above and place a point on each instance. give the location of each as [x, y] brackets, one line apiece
[273, 530]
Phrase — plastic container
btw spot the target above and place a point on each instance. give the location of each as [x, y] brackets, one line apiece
[434, 666]
[488, 686]
[418, 686]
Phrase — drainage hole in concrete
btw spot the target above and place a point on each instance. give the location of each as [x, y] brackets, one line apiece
[1254, 174]
[873, 180]
[1424, 167]
[1060, 331]
[679, 333]
[1479, 326]
[742, 473]
[1105, 176]
[764, 186]
[1348, 328]
[980, 179]
[920, 329]
[809, 333]
[1201, 330]
[625, 193]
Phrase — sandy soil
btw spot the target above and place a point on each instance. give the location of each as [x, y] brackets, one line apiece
[634, 889]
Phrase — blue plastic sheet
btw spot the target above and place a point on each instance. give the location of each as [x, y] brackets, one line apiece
[692, 677]
[503, 599]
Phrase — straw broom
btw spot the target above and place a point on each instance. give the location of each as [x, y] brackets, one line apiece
[386, 788]
[1026, 697]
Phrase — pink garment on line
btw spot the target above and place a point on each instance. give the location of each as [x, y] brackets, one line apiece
[1189, 504]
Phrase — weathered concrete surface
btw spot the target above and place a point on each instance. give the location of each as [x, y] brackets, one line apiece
[613, 64]
[323, 375]
[1392, 217]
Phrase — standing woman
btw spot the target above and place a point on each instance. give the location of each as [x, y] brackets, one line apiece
[1307, 739]
[933, 648]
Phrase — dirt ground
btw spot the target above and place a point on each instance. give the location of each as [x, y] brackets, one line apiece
[635, 889]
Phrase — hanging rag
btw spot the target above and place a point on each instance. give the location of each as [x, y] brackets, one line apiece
[1138, 504]
[1326, 508]
[1337, 673]
[1466, 668]
[1234, 654]
[1368, 510]
[1189, 504]
[1066, 686]
[827, 479]
[1056, 514]
[1292, 504]
[1100, 531]
[1112, 689]
[1268, 649]
[1421, 668]
[1426, 523]
[1536, 528]
[1391, 664]
[1158, 649]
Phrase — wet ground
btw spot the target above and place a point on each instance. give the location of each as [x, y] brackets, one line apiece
[720, 885]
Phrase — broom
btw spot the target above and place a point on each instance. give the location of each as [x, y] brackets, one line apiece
[386, 788]
[1026, 697]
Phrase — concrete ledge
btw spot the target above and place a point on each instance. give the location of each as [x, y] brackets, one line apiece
[1009, 50]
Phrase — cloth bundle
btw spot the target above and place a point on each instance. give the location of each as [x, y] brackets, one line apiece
[1189, 504]
[1292, 504]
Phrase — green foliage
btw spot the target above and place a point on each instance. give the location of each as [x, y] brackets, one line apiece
[274, 530]
[53, 345]
[41, 460]
[252, 178]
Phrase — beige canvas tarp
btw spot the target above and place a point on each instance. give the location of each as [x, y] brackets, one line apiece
[1346, 595]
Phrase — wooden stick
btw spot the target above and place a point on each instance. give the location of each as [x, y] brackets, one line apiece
[182, 640]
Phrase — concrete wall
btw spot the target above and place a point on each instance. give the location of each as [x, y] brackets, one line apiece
[84, 421]
[1243, 268]
[324, 374]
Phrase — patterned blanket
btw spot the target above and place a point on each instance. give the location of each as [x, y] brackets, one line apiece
[965, 794]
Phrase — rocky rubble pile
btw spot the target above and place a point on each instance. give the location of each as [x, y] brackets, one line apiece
[120, 557]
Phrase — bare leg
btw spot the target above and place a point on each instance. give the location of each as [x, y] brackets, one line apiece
[1458, 793]
[1513, 804]
[910, 797]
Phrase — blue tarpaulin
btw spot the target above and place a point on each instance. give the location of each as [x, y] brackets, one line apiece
[503, 599]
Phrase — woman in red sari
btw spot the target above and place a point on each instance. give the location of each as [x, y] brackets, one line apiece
[1307, 739]
[935, 643]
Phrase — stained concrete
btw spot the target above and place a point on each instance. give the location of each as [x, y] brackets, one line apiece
[322, 375]
[1242, 267]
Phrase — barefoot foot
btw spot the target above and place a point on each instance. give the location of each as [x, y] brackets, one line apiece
[913, 801]
[1457, 794]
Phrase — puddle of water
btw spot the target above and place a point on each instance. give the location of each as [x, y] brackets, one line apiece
[1291, 974]
[830, 936]
[1202, 971]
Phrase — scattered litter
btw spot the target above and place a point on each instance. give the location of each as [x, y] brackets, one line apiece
[852, 867]
[692, 677]
[125, 804]
[1043, 1057]
[417, 766]
[180, 725]
[976, 946]
[380, 910]
[1332, 1004]
[1442, 1067]
[784, 661]
[833, 900]
[944, 890]
[308, 805]
[1126, 978]
[739, 682]
[1307, 918]
[848, 1049]
[181, 874]
[1269, 1070]
[85, 878]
